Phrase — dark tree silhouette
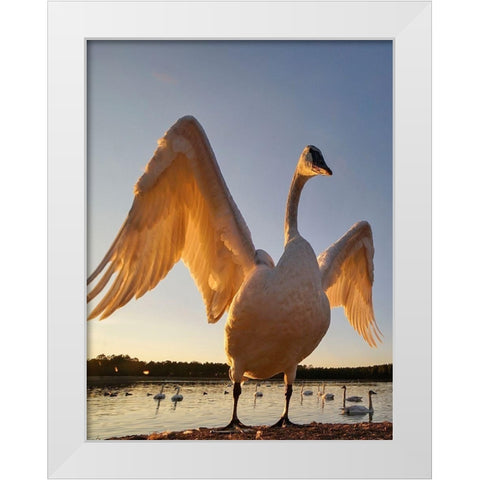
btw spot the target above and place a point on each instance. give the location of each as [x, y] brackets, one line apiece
[123, 365]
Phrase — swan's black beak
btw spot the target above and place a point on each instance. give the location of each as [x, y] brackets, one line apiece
[319, 165]
[323, 170]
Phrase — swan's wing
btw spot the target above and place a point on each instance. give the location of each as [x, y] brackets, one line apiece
[182, 209]
[347, 277]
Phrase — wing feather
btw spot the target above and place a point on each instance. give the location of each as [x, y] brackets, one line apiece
[347, 279]
[182, 209]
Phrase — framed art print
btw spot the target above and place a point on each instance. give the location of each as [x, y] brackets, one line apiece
[238, 193]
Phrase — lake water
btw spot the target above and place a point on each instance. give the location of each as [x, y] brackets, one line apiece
[210, 403]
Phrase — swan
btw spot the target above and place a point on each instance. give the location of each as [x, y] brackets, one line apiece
[257, 393]
[306, 392]
[177, 397]
[360, 409]
[277, 314]
[353, 398]
[161, 395]
[323, 395]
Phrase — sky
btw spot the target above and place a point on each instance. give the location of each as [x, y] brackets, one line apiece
[259, 103]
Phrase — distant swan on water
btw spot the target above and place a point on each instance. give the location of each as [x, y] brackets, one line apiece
[277, 314]
[353, 398]
[177, 397]
[323, 395]
[257, 392]
[161, 395]
[360, 409]
[307, 393]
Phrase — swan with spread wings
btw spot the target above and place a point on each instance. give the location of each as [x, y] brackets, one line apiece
[277, 314]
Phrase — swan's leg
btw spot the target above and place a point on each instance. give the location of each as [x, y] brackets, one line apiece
[235, 422]
[284, 420]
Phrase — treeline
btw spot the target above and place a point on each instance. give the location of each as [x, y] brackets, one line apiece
[123, 365]
[373, 372]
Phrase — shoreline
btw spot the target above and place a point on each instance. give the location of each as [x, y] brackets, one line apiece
[311, 431]
[97, 380]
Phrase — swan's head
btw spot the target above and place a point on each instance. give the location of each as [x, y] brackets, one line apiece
[371, 392]
[344, 387]
[311, 163]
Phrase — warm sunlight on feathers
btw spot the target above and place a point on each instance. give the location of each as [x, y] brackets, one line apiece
[182, 210]
[347, 278]
[277, 314]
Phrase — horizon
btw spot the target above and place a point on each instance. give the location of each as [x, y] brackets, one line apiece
[225, 363]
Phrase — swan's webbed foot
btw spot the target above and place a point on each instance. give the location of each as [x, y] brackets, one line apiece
[235, 424]
[284, 422]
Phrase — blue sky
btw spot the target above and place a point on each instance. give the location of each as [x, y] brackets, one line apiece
[260, 103]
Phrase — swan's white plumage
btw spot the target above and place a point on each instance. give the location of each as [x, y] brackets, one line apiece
[182, 209]
[347, 276]
[277, 314]
[356, 410]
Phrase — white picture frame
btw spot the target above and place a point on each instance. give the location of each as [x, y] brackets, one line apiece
[71, 23]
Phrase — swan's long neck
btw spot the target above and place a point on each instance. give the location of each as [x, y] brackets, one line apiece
[370, 406]
[344, 396]
[291, 229]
